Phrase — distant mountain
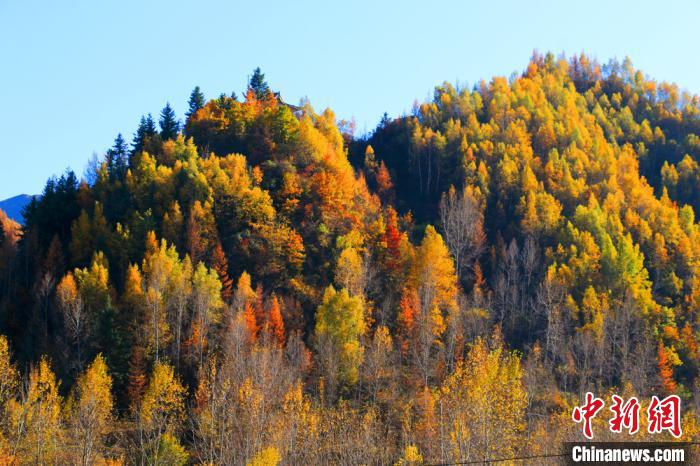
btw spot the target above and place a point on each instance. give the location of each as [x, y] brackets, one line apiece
[13, 206]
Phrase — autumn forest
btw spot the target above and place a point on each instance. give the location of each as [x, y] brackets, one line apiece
[257, 284]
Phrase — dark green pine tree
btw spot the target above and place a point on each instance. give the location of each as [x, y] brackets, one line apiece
[384, 121]
[117, 158]
[258, 85]
[145, 131]
[226, 102]
[169, 126]
[196, 102]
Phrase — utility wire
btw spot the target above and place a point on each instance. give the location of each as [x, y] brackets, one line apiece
[531, 457]
[498, 460]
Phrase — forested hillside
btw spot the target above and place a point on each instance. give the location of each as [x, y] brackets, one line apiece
[258, 285]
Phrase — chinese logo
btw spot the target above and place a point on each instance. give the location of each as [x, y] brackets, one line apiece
[663, 415]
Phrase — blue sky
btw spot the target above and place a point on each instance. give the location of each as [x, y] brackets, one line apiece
[74, 74]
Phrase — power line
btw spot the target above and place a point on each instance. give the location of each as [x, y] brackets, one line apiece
[531, 457]
[498, 460]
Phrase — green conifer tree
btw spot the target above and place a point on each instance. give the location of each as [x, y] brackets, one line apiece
[117, 158]
[258, 85]
[145, 131]
[196, 101]
[169, 126]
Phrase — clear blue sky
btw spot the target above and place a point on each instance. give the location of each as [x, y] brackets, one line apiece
[73, 76]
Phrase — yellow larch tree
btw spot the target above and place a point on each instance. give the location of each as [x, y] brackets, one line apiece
[89, 410]
[160, 415]
[36, 427]
[483, 403]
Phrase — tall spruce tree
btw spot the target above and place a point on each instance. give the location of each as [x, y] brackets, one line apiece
[196, 101]
[258, 85]
[169, 126]
[145, 131]
[117, 158]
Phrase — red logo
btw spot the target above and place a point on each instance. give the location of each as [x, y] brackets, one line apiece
[587, 412]
[626, 415]
[663, 415]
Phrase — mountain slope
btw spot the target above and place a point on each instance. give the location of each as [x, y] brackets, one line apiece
[13, 206]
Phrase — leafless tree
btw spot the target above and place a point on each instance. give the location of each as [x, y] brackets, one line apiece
[463, 227]
[239, 398]
[514, 291]
[631, 347]
[550, 302]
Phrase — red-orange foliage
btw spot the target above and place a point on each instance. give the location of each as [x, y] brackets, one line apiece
[385, 186]
[275, 321]
[666, 370]
[392, 238]
[250, 321]
[408, 310]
